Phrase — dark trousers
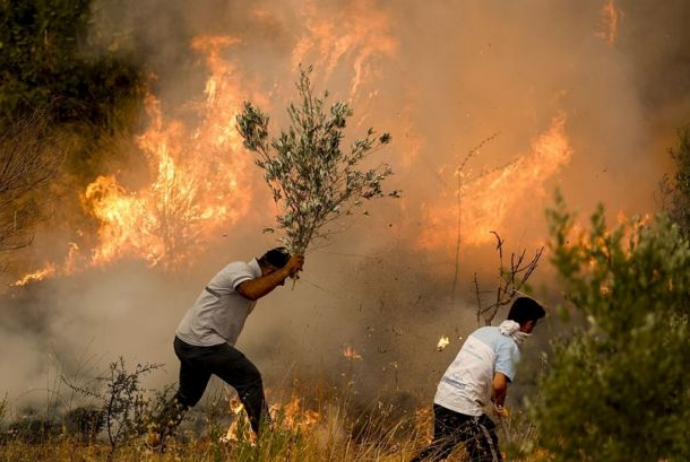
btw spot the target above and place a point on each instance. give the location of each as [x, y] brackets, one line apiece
[452, 428]
[229, 364]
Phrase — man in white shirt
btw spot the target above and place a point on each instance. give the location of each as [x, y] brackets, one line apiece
[478, 376]
[205, 339]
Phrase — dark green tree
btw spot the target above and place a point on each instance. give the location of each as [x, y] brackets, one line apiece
[677, 191]
[615, 390]
[46, 64]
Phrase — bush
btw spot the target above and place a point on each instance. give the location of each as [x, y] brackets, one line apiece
[615, 388]
[42, 59]
[677, 191]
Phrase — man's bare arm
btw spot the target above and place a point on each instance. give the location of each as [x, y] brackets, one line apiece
[500, 390]
[254, 289]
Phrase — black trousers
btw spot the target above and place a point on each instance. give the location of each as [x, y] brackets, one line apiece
[452, 428]
[229, 364]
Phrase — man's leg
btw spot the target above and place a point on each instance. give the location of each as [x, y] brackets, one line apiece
[233, 367]
[482, 441]
[194, 375]
[448, 433]
[192, 384]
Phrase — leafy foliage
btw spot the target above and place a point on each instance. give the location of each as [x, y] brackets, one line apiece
[615, 388]
[44, 66]
[311, 177]
[677, 191]
[122, 404]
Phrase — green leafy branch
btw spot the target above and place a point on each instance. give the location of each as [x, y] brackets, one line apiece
[313, 180]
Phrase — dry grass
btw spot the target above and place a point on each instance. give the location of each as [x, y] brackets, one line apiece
[297, 435]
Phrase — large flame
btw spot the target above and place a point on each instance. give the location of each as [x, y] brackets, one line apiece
[199, 174]
[486, 200]
[198, 185]
[197, 188]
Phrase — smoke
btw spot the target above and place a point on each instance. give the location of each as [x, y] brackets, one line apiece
[441, 79]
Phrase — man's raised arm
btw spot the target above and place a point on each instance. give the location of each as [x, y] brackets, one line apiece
[254, 289]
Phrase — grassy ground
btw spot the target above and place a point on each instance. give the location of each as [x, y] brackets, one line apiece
[297, 435]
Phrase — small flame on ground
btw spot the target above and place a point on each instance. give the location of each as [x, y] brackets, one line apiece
[350, 354]
[443, 342]
[292, 416]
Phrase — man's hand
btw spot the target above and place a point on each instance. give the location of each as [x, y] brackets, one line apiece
[500, 411]
[294, 265]
[257, 288]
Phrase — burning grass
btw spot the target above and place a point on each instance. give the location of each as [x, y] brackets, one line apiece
[331, 426]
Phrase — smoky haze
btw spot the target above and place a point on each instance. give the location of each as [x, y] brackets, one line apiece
[442, 79]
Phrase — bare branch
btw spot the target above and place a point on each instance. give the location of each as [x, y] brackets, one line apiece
[30, 155]
[511, 280]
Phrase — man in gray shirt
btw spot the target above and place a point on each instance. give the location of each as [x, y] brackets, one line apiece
[205, 339]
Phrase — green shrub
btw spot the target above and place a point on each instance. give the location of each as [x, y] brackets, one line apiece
[615, 388]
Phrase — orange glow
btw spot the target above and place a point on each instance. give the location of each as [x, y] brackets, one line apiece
[360, 32]
[39, 275]
[291, 416]
[198, 182]
[611, 17]
[197, 185]
[294, 415]
[350, 354]
[487, 198]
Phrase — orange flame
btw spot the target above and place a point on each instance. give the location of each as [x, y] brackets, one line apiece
[291, 416]
[351, 355]
[611, 17]
[360, 31]
[489, 197]
[294, 415]
[39, 275]
[443, 342]
[198, 182]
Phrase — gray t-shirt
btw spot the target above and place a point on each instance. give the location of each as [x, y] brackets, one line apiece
[218, 315]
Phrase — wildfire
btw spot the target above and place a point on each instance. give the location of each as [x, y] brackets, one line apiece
[198, 179]
[39, 275]
[488, 198]
[351, 355]
[292, 416]
[360, 31]
[611, 17]
[443, 342]
[239, 428]
[197, 186]
[198, 182]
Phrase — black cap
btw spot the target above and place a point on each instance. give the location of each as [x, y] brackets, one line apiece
[277, 257]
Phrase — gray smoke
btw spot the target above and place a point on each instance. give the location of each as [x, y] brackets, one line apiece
[459, 72]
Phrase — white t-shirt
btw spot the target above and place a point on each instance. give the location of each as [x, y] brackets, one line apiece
[219, 314]
[466, 385]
